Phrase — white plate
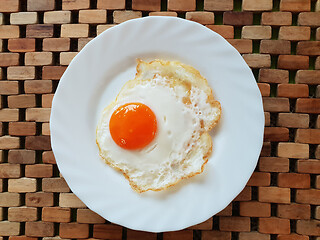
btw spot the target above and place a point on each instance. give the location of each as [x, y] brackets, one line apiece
[94, 78]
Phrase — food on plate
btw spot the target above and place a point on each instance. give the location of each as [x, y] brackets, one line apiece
[156, 131]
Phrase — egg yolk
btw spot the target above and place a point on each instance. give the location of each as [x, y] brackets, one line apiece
[133, 126]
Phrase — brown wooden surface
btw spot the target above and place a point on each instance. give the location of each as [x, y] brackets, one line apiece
[280, 41]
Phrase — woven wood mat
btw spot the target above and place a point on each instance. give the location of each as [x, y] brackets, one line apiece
[280, 41]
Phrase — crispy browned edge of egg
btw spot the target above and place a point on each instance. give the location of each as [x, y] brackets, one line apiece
[214, 103]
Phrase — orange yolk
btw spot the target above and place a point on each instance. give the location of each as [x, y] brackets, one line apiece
[133, 126]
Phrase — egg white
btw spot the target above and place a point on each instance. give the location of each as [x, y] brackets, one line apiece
[181, 146]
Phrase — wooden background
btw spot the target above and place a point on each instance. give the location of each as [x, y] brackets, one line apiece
[279, 39]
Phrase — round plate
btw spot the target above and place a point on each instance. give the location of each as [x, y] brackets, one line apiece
[92, 81]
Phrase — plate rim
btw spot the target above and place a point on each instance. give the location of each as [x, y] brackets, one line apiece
[82, 52]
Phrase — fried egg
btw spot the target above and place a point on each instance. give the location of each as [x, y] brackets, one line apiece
[156, 131]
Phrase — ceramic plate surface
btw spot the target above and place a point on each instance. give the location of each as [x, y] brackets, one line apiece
[92, 81]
